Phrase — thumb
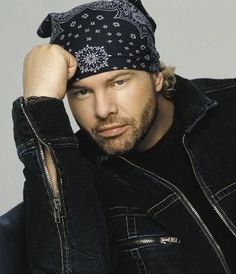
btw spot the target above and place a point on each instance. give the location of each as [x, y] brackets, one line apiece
[72, 66]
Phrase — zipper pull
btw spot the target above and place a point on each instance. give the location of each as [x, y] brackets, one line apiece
[57, 210]
[169, 240]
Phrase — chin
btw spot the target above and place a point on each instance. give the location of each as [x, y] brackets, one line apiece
[117, 149]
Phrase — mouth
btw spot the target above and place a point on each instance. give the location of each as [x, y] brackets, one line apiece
[112, 131]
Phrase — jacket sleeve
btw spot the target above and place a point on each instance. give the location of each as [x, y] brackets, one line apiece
[65, 229]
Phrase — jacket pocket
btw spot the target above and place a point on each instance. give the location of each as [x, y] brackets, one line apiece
[141, 245]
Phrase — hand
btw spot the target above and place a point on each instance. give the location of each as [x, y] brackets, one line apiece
[47, 68]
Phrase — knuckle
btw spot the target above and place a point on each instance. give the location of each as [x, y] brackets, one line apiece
[32, 50]
[53, 47]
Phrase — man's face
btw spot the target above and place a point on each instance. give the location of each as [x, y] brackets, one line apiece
[116, 108]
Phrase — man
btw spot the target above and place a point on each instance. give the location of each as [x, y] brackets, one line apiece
[147, 184]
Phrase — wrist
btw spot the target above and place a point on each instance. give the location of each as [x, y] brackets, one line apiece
[39, 98]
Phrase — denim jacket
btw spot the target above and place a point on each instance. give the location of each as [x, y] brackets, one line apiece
[90, 224]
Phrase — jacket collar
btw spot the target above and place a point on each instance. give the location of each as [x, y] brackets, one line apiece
[191, 102]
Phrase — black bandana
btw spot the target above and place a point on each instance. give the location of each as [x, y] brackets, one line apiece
[105, 36]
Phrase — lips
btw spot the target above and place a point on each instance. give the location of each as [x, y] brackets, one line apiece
[112, 131]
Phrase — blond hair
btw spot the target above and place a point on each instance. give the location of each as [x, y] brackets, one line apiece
[169, 82]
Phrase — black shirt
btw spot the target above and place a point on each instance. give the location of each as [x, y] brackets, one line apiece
[169, 159]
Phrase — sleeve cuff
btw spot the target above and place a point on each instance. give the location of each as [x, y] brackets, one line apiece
[48, 117]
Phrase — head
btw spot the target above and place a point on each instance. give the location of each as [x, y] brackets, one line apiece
[113, 94]
[116, 108]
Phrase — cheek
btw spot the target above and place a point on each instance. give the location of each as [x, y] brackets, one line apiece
[82, 113]
[134, 102]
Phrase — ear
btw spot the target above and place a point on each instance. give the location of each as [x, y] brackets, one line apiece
[158, 80]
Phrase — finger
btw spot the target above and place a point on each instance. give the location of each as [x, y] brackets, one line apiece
[72, 66]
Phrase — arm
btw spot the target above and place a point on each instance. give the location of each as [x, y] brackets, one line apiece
[64, 223]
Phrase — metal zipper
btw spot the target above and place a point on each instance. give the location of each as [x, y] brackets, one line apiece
[192, 211]
[203, 189]
[54, 194]
[196, 175]
[148, 240]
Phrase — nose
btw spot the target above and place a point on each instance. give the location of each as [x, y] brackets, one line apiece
[104, 105]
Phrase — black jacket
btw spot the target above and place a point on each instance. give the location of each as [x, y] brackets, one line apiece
[95, 241]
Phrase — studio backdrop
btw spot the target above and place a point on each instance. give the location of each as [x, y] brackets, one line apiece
[197, 37]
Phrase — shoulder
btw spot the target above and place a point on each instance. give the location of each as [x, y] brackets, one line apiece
[12, 240]
[12, 222]
[197, 92]
[215, 87]
[223, 91]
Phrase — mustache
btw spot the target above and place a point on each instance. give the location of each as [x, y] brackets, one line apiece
[112, 120]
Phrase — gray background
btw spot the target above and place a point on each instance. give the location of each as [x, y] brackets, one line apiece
[198, 37]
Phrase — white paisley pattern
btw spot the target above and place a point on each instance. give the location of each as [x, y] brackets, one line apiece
[92, 59]
[125, 10]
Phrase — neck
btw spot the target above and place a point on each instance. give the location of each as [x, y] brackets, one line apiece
[162, 123]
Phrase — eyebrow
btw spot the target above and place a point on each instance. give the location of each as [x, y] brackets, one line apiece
[119, 74]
